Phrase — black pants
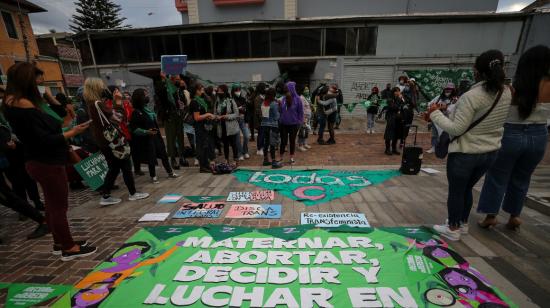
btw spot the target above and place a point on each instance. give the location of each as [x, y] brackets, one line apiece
[288, 132]
[230, 141]
[267, 134]
[155, 152]
[22, 184]
[393, 144]
[205, 146]
[115, 167]
[9, 199]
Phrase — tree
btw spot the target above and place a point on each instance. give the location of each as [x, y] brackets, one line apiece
[96, 14]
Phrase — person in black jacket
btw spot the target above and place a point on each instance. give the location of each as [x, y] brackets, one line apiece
[146, 138]
[394, 122]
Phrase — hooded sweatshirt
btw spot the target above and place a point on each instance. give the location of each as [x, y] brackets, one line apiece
[293, 114]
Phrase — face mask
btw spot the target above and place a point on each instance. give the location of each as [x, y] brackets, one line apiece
[401, 82]
[238, 93]
[447, 94]
[306, 93]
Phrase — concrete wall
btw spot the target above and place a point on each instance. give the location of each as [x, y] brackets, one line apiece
[271, 9]
[538, 32]
[447, 39]
[316, 8]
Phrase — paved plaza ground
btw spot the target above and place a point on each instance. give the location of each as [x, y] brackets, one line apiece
[517, 263]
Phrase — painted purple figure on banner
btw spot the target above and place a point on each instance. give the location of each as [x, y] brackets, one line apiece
[472, 292]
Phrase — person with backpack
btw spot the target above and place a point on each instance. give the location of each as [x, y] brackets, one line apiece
[105, 126]
[372, 110]
[270, 127]
[394, 122]
[524, 141]
[147, 141]
[477, 127]
[227, 115]
[447, 97]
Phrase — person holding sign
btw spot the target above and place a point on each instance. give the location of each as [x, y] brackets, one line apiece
[172, 108]
[46, 152]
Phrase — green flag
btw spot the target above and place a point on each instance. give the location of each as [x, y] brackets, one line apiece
[27, 295]
[432, 81]
[350, 107]
[201, 199]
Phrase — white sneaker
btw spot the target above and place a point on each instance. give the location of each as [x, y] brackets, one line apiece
[196, 162]
[430, 151]
[173, 175]
[302, 149]
[241, 158]
[446, 232]
[260, 152]
[246, 156]
[109, 201]
[464, 228]
[155, 180]
[307, 146]
[138, 196]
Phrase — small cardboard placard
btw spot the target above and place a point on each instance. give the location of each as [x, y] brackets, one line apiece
[334, 219]
[154, 217]
[251, 196]
[269, 211]
[173, 64]
[93, 170]
[170, 198]
[200, 210]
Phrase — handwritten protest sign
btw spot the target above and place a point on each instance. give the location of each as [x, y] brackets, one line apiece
[334, 219]
[251, 196]
[200, 210]
[93, 170]
[270, 211]
[173, 65]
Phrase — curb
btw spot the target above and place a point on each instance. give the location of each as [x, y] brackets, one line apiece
[539, 204]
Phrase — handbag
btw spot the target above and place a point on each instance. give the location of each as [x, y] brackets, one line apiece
[119, 147]
[442, 145]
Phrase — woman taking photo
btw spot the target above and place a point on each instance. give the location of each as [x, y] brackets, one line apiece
[46, 151]
[203, 128]
[477, 127]
[292, 117]
[524, 141]
[227, 114]
[117, 154]
[147, 142]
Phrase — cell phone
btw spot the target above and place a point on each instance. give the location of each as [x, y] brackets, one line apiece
[88, 122]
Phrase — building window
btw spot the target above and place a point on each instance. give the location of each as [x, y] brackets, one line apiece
[305, 42]
[367, 40]
[228, 45]
[10, 25]
[70, 68]
[107, 51]
[157, 44]
[196, 46]
[335, 42]
[351, 42]
[136, 49]
[55, 90]
[259, 44]
[85, 53]
[279, 43]
[172, 45]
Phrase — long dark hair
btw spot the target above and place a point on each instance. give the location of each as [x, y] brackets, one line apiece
[270, 94]
[490, 68]
[22, 83]
[194, 88]
[225, 90]
[533, 66]
[139, 99]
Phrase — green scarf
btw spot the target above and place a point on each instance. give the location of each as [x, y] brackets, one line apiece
[202, 102]
[48, 110]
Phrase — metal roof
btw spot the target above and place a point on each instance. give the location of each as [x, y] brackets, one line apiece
[27, 5]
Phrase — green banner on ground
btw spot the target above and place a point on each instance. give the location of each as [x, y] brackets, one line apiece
[314, 186]
[93, 170]
[432, 81]
[391, 267]
[27, 295]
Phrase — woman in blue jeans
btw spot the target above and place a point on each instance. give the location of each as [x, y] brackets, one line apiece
[474, 149]
[524, 141]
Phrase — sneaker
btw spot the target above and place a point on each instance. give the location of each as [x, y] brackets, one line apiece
[40, 231]
[241, 158]
[205, 170]
[331, 141]
[196, 162]
[464, 228]
[173, 175]
[155, 180]
[138, 196]
[266, 163]
[84, 252]
[109, 201]
[260, 152]
[292, 161]
[321, 142]
[446, 232]
[302, 149]
[307, 146]
[431, 150]
[56, 250]
[246, 156]
[276, 165]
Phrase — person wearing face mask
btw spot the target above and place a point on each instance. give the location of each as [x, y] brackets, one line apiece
[203, 128]
[402, 83]
[394, 122]
[172, 114]
[448, 97]
[227, 114]
[242, 145]
[147, 140]
[303, 133]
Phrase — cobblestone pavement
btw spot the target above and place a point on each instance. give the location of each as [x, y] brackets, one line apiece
[516, 262]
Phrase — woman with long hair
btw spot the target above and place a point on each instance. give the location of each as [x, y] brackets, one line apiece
[203, 128]
[292, 117]
[448, 97]
[105, 122]
[227, 114]
[477, 127]
[46, 150]
[270, 127]
[394, 122]
[524, 141]
[147, 142]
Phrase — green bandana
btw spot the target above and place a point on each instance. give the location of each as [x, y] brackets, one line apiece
[201, 102]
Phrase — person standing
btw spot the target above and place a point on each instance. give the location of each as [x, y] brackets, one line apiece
[477, 124]
[203, 128]
[387, 93]
[46, 151]
[339, 104]
[147, 141]
[270, 127]
[105, 122]
[394, 122]
[292, 117]
[372, 110]
[227, 115]
[242, 145]
[328, 113]
[524, 141]
[303, 134]
[172, 114]
[447, 97]
[259, 97]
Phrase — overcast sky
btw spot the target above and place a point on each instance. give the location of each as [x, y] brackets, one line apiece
[163, 13]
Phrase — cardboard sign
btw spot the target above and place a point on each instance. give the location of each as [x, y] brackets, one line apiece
[93, 170]
[154, 217]
[29, 295]
[170, 198]
[251, 196]
[173, 65]
[200, 210]
[334, 219]
[270, 211]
